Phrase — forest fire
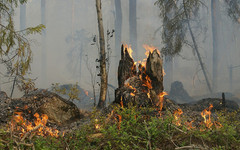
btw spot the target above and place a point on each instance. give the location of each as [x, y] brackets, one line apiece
[160, 103]
[177, 114]
[21, 124]
[205, 113]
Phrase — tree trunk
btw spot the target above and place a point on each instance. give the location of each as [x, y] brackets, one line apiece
[118, 28]
[197, 51]
[44, 51]
[215, 13]
[103, 71]
[133, 25]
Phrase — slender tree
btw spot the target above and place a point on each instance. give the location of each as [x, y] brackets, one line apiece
[177, 17]
[215, 26]
[133, 25]
[44, 51]
[118, 28]
[103, 71]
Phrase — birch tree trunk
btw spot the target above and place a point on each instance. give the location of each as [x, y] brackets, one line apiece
[103, 71]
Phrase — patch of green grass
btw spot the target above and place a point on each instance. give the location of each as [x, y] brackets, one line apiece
[134, 128]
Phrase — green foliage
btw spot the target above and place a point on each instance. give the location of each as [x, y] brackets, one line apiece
[175, 14]
[138, 129]
[72, 93]
[233, 9]
[15, 51]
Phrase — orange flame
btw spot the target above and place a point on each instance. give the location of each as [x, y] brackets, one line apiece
[22, 125]
[189, 125]
[204, 114]
[177, 114]
[160, 103]
[118, 120]
[97, 126]
[149, 49]
[129, 49]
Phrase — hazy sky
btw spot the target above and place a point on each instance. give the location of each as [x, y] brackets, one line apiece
[64, 18]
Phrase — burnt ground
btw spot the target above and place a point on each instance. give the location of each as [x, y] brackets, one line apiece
[77, 118]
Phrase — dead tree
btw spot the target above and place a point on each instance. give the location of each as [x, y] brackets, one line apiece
[103, 70]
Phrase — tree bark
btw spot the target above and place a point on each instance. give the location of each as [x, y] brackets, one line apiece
[133, 25]
[103, 71]
[214, 11]
[44, 51]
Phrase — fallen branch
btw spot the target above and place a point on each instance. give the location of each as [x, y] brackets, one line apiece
[190, 147]
[29, 132]
[178, 128]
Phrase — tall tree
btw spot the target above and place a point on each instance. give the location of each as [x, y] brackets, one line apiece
[44, 51]
[118, 28]
[103, 70]
[133, 25]
[215, 26]
[177, 18]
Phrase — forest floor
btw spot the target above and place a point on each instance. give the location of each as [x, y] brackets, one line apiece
[131, 128]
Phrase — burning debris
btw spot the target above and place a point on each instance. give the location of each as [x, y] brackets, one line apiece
[20, 124]
[140, 85]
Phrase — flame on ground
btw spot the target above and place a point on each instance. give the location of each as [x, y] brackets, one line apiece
[118, 120]
[205, 113]
[19, 123]
[160, 103]
[189, 125]
[177, 114]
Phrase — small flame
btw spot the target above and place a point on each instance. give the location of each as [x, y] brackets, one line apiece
[129, 49]
[97, 126]
[189, 125]
[204, 114]
[121, 102]
[160, 103]
[118, 120]
[149, 49]
[177, 114]
[132, 94]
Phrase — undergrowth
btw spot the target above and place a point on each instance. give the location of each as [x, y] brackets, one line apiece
[134, 128]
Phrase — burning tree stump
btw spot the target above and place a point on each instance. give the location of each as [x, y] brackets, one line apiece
[140, 87]
[126, 68]
[154, 70]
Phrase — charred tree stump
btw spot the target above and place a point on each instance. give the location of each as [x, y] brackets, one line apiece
[155, 71]
[139, 88]
[126, 68]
